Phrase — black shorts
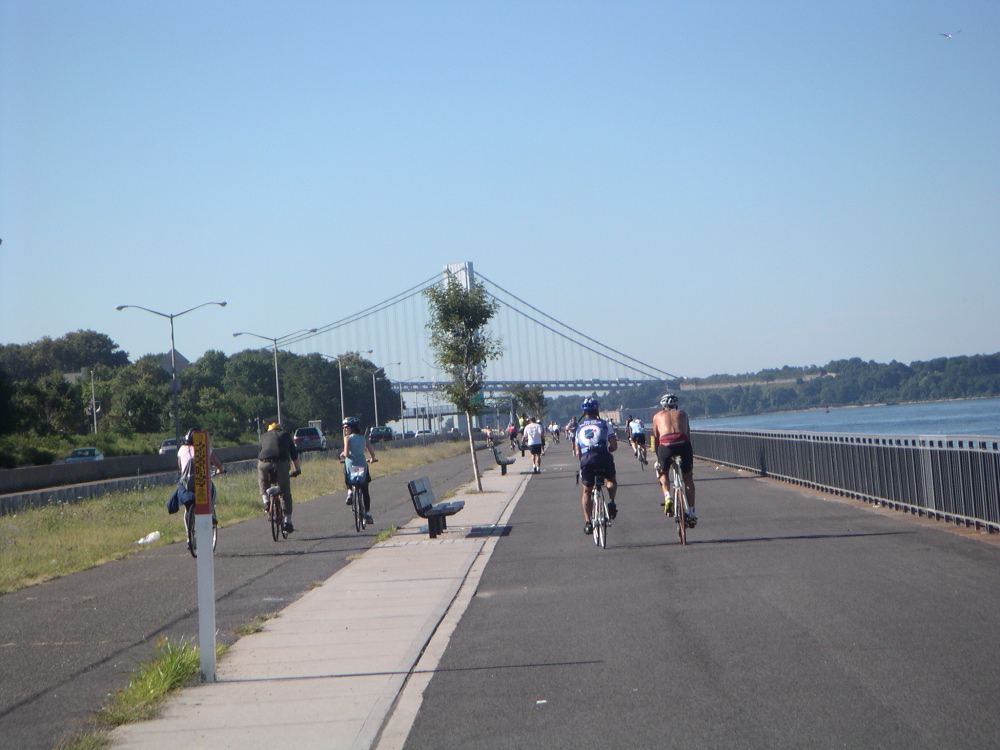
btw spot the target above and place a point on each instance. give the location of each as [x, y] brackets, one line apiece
[536, 450]
[639, 437]
[665, 453]
[593, 463]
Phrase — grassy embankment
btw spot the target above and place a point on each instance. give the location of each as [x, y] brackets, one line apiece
[40, 544]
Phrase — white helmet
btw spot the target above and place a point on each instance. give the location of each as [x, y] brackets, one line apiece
[669, 401]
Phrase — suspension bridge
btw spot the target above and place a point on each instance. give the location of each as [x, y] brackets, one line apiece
[538, 350]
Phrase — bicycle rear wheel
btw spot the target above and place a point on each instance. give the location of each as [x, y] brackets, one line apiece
[600, 518]
[192, 538]
[275, 517]
[680, 502]
[359, 509]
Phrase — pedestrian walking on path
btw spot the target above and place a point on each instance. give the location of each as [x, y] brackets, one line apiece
[534, 438]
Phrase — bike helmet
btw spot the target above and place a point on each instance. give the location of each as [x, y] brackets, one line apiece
[273, 426]
[351, 422]
[669, 401]
[590, 404]
[188, 439]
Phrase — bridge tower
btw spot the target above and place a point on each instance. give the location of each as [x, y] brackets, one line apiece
[462, 272]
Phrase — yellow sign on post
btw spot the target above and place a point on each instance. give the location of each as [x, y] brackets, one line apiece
[202, 493]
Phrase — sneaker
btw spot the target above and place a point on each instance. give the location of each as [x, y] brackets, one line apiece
[690, 519]
[348, 501]
[612, 510]
[288, 526]
[267, 503]
[669, 503]
[368, 518]
[588, 528]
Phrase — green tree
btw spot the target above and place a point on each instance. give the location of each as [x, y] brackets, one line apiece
[50, 405]
[462, 346]
[140, 398]
[530, 399]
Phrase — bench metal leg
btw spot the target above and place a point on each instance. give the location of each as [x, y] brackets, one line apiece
[503, 470]
[432, 528]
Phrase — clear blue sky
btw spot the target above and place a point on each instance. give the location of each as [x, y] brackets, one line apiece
[778, 182]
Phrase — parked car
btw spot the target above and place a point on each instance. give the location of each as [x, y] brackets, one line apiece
[168, 446]
[84, 454]
[424, 432]
[408, 433]
[309, 439]
[380, 434]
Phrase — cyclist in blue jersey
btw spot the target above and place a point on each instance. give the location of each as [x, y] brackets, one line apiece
[593, 444]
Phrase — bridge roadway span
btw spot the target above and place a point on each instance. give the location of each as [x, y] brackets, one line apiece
[791, 620]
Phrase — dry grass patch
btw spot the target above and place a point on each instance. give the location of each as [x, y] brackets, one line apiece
[39, 544]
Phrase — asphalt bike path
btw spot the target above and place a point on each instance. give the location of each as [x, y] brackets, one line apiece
[66, 644]
[791, 620]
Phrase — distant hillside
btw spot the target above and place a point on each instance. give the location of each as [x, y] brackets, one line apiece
[846, 382]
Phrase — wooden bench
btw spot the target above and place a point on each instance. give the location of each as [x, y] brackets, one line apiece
[426, 505]
[503, 463]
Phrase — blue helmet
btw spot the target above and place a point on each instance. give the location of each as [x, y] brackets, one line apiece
[590, 404]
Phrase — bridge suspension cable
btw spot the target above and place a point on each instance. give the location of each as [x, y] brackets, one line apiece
[538, 348]
[605, 351]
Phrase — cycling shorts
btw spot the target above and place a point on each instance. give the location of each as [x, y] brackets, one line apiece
[665, 454]
[593, 463]
[638, 437]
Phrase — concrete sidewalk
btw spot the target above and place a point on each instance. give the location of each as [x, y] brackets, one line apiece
[329, 671]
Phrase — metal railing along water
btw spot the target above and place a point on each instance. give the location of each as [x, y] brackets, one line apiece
[949, 478]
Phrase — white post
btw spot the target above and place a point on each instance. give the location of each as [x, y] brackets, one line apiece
[206, 556]
[206, 596]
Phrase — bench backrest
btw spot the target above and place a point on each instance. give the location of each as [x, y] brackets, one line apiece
[421, 492]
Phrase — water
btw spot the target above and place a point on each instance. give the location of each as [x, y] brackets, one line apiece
[972, 417]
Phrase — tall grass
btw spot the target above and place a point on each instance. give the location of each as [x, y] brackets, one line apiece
[39, 544]
[172, 666]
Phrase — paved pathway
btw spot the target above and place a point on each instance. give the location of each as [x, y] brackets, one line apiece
[327, 671]
[792, 620]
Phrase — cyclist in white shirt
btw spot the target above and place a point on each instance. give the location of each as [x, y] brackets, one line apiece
[636, 434]
[593, 444]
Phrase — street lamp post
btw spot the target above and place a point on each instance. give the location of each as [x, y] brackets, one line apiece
[274, 343]
[375, 390]
[173, 358]
[340, 369]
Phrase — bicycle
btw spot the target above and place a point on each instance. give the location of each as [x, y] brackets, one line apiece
[640, 453]
[355, 479]
[275, 507]
[679, 496]
[189, 523]
[275, 514]
[599, 517]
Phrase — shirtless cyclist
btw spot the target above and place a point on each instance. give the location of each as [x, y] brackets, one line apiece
[672, 437]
